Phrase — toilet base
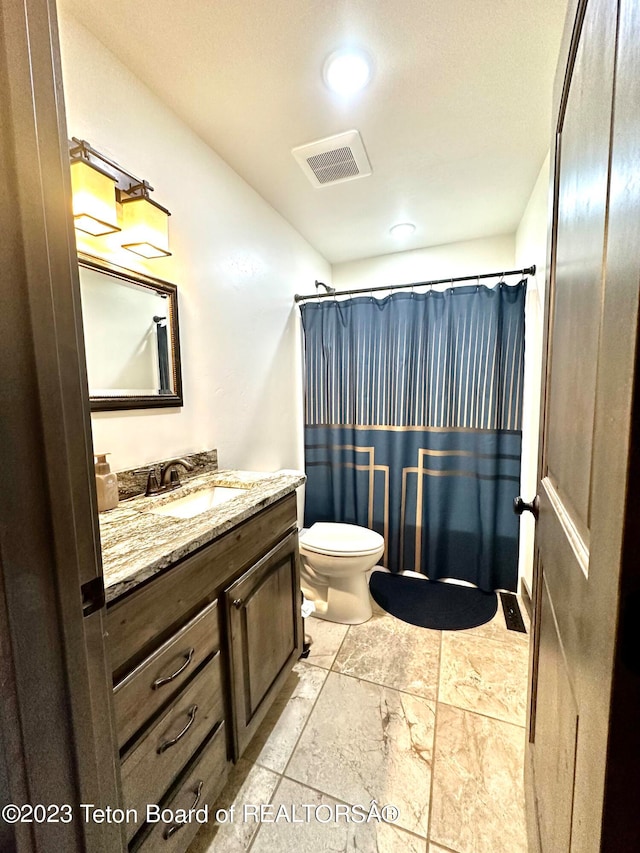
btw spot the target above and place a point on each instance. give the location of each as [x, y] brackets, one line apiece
[346, 600]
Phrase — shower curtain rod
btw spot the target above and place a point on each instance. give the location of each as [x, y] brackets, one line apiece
[332, 292]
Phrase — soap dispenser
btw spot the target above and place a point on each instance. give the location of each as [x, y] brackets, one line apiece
[106, 484]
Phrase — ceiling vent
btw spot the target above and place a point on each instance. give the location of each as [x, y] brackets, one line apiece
[334, 160]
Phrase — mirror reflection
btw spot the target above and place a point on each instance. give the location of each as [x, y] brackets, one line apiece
[131, 338]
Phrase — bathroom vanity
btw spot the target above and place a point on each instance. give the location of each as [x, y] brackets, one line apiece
[204, 625]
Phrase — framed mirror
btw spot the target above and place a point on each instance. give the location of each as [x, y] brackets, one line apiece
[131, 337]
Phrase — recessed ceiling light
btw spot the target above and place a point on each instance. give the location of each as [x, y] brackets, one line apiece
[347, 72]
[402, 229]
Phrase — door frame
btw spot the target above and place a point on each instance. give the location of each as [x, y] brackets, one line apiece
[56, 720]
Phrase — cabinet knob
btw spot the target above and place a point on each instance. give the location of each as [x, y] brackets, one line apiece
[238, 603]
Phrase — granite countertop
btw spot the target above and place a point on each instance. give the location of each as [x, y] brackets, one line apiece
[137, 543]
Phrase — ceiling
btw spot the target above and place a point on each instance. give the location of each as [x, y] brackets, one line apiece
[456, 120]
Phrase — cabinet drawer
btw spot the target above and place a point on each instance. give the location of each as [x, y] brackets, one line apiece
[202, 783]
[139, 622]
[150, 769]
[145, 690]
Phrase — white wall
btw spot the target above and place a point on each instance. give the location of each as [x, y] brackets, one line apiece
[454, 259]
[531, 248]
[237, 264]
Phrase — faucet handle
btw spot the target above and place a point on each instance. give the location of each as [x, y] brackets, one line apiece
[153, 487]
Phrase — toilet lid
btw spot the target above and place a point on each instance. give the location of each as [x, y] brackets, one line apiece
[325, 537]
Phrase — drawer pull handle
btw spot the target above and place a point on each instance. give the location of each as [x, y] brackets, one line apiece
[160, 681]
[176, 826]
[238, 603]
[174, 740]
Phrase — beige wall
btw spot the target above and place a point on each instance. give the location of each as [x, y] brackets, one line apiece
[237, 264]
[467, 258]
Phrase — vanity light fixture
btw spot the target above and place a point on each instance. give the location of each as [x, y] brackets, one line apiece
[107, 199]
[94, 200]
[145, 223]
[402, 229]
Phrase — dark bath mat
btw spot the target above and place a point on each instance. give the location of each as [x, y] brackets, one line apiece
[512, 614]
[442, 606]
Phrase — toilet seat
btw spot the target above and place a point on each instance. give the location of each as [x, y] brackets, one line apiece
[339, 539]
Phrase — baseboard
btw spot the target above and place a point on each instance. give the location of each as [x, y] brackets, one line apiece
[525, 594]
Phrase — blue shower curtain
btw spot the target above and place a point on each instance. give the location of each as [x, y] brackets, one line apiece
[413, 414]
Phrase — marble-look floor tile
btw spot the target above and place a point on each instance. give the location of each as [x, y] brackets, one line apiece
[485, 676]
[321, 834]
[387, 651]
[274, 741]
[478, 791]
[248, 784]
[326, 639]
[366, 742]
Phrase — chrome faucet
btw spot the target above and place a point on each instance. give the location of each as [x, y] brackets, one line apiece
[169, 478]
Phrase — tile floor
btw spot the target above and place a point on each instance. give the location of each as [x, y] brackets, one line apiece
[431, 722]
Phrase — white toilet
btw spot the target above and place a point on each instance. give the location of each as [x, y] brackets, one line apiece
[335, 560]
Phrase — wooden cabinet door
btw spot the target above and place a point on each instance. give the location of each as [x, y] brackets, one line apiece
[264, 634]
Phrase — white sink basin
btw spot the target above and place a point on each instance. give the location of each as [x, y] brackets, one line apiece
[198, 502]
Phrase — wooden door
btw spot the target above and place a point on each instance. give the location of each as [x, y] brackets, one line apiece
[265, 634]
[57, 736]
[583, 684]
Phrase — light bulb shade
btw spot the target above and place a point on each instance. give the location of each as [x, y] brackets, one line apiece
[94, 199]
[145, 227]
